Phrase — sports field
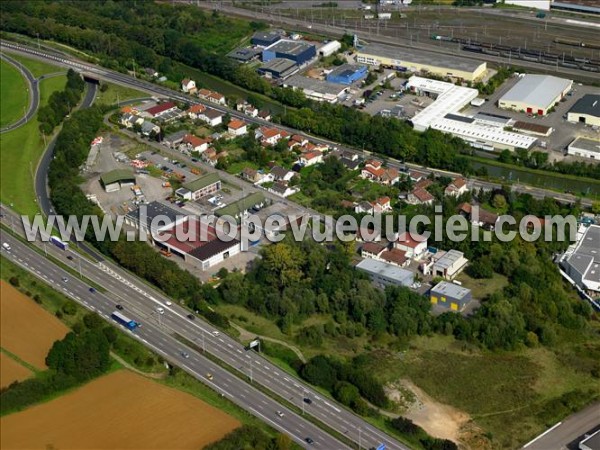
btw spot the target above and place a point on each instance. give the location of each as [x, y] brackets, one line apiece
[14, 95]
[122, 410]
[27, 330]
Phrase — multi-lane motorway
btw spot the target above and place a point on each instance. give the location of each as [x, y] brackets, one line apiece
[141, 301]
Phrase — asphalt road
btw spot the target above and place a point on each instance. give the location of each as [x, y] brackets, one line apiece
[34, 94]
[570, 429]
[141, 301]
[160, 340]
[127, 80]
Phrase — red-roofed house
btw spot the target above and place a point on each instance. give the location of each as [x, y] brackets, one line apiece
[195, 111]
[194, 143]
[457, 187]
[479, 216]
[211, 96]
[371, 250]
[374, 171]
[163, 108]
[395, 257]
[311, 158]
[419, 196]
[237, 127]
[269, 136]
[413, 244]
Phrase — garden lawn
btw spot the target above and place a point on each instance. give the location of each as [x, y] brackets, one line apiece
[14, 94]
[20, 151]
[118, 93]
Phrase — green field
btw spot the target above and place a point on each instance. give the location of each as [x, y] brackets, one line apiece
[37, 68]
[20, 151]
[119, 93]
[13, 94]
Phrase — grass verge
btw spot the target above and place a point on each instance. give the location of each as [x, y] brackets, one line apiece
[14, 94]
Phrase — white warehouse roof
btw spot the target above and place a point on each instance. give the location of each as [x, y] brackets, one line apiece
[538, 90]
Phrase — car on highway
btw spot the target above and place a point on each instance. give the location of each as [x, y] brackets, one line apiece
[191, 316]
[309, 440]
[215, 333]
[209, 376]
[119, 307]
[92, 290]
[280, 413]
[168, 303]
[160, 310]
[70, 257]
[65, 279]
[6, 245]
[186, 355]
[307, 400]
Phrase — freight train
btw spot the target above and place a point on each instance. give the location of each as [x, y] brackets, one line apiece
[519, 53]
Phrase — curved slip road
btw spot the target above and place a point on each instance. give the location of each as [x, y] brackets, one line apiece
[34, 94]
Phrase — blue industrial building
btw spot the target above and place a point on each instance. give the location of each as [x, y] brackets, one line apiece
[265, 38]
[347, 74]
[298, 51]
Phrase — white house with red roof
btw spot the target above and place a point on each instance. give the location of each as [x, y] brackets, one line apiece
[375, 171]
[212, 96]
[188, 86]
[419, 196]
[194, 143]
[195, 111]
[237, 127]
[211, 117]
[310, 158]
[413, 244]
[457, 187]
[161, 109]
[269, 136]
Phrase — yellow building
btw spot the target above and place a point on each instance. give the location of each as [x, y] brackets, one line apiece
[586, 110]
[535, 94]
[408, 60]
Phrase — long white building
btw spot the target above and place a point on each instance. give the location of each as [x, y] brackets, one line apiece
[443, 115]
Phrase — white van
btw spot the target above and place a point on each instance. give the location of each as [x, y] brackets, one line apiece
[160, 310]
[6, 246]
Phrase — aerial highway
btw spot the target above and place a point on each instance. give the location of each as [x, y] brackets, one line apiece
[164, 344]
[129, 81]
[33, 90]
[142, 302]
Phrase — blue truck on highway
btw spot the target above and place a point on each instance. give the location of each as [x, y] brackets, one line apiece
[124, 320]
[60, 244]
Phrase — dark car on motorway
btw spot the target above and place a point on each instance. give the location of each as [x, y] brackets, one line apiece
[191, 316]
[309, 440]
[307, 400]
[92, 290]
[119, 307]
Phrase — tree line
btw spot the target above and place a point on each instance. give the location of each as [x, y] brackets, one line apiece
[61, 103]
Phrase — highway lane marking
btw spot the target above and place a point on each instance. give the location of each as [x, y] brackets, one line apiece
[239, 351]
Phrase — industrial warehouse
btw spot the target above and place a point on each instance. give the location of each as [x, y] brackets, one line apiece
[298, 51]
[586, 110]
[406, 60]
[480, 131]
[535, 94]
[347, 74]
[279, 68]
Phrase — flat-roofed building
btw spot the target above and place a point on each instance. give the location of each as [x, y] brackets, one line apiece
[586, 148]
[586, 110]
[582, 261]
[450, 295]
[266, 38]
[383, 274]
[279, 68]
[155, 217]
[115, 179]
[298, 51]
[347, 74]
[535, 94]
[318, 90]
[245, 54]
[409, 60]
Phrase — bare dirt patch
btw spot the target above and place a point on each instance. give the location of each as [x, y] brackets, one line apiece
[122, 410]
[11, 371]
[26, 329]
[439, 420]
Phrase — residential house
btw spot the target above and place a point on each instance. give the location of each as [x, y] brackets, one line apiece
[297, 140]
[151, 72]
[381, 205]
[195, 111]
[237, 127]
[413, 244]
[264, 115]
[416, 176]
[457, 187]
[372, 250]
[281, 174]
[419, 196]
[254, 176]
[282, 189]
[201, 187]
[188, 86]
[247, 109]
[148, 128]
[211, 156]
[174, 139]
[212, 96]
[129, 120]
[311, 158]
[395, 257]
[195, 144]
[269, 136]
[375, 171]
[211, 117]
[479, 216]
